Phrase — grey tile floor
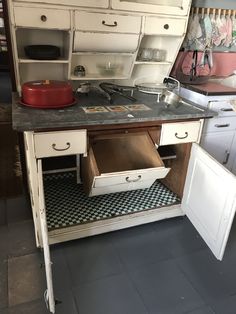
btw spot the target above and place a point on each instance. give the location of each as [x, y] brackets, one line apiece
[158, 268]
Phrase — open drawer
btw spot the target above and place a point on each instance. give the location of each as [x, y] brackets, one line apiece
[121, 162]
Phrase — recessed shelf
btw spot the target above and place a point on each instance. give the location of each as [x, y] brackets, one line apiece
[24, 60]
[153, 62]
[97, 77]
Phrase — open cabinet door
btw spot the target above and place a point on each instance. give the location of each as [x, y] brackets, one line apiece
[49, 295]
[209, 199]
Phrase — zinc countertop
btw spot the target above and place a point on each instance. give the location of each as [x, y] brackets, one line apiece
[31, 119]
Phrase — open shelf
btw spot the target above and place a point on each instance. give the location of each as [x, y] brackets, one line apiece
[64, 211]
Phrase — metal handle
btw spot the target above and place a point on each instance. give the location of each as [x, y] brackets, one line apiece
[222, 125]
[166, 26]
[43, 18]
[110, 25]
[60, 149]
[226, 109]
[181, 137]
[227, 153]
[134, 180]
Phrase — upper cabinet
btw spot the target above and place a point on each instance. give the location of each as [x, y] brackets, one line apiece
[173, 7]
[135, 41]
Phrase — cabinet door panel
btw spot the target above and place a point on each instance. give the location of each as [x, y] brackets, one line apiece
[176, 7]
[209, 199]
[218, 145]
[81, 3]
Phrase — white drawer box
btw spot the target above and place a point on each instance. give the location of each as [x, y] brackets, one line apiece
[121, 162]
[223, 108]
[100, 42]
[220, 124]
[49, 144]
[164, 26]
[42, 18]
[107, 22]
[180, 132]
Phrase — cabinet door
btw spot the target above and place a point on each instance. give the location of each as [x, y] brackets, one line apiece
[49, 294]
[175, 7]
[218, 145]
[209, 199]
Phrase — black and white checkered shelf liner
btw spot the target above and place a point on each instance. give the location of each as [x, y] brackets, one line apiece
[67, 204]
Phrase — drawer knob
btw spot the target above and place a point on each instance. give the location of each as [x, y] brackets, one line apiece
[133, 180]
[43, 18]
[181, 137]
[110, 25]
[166, 26]
[61, 149]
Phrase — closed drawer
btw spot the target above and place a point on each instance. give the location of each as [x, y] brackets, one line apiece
[107, 22]
[121, 162]
[164, 26]
[42, 18]
[100, 42]
[49, 144]
[220, 124]
[181, 132]
[223, 108]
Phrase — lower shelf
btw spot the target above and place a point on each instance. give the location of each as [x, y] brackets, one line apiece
[67, 205]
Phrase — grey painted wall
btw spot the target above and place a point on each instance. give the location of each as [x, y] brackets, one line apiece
[226, 4]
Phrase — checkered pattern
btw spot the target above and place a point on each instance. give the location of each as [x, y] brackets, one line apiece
[68, 205]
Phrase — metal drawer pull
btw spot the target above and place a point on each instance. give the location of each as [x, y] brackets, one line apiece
[181, 137]
[61, 149]
[110, 25]
[43, 18]
[226, 109]
[134, 180]
[166, 26]
[222, 125]
[226, 157]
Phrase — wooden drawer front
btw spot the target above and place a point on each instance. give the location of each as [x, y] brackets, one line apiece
[223, 108]
[99, 42]
[61, 143]
[107, 22]
[122, 162]
[164, 26]
[220, 124]
[182, 132]
[42, 18]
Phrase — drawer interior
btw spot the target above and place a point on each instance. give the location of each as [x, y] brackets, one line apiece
[124, 152]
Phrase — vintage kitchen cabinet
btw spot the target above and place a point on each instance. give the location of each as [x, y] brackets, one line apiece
[194, 176]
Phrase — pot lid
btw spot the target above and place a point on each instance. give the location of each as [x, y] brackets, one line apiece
[151, 88]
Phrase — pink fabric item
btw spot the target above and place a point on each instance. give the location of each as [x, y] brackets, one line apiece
[229, 26]
[224, 63]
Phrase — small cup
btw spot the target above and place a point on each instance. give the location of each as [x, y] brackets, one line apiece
[146, 54]
[158, 55]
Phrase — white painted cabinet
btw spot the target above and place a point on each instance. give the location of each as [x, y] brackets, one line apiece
[106, 37]
[219, 134]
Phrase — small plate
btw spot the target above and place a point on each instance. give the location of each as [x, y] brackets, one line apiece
[48, 107]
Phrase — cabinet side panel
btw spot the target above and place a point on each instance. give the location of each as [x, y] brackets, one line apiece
[175, 179]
